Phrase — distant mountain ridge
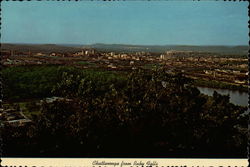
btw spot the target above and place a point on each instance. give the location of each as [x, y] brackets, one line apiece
[164, 48]
[242, 50]
[45, 48]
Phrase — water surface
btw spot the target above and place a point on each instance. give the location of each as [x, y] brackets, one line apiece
[236, 97]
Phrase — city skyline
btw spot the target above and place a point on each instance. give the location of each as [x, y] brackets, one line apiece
[134, 23]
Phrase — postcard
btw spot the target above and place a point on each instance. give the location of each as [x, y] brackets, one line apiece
[124, 83]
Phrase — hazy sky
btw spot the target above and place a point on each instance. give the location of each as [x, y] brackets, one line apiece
[125, 22]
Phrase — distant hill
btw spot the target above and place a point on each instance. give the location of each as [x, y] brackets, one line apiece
[163, 48]
[47, 48]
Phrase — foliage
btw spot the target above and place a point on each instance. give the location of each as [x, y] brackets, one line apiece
[26, 82]
[146, 113]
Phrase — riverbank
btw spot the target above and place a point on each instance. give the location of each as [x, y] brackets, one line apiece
[220, 85]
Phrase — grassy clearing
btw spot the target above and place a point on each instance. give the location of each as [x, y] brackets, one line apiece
[86, 63]
[152, 66]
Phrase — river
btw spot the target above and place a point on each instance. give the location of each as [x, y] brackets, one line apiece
[236, 97]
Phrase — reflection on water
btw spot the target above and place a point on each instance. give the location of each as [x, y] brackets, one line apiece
[236, 97]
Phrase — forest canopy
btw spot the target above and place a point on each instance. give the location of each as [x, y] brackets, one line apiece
[109, 114]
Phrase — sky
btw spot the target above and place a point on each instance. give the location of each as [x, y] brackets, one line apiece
[125, 22]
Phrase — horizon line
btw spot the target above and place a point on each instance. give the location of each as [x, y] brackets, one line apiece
[119, 44]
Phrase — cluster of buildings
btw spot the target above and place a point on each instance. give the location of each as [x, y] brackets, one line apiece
[10, 62]
[86, 52]
[13, 117]
[173, 53]
[194, 63]
[137, 56]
